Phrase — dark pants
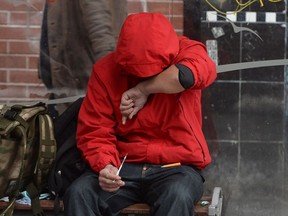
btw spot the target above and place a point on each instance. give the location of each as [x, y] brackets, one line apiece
[169, 192]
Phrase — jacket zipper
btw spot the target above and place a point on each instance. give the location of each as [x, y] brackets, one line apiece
[203, 153]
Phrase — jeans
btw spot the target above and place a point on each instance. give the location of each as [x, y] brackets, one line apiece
[169, 191]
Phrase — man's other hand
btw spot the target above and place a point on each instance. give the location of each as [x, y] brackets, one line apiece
[132, 101]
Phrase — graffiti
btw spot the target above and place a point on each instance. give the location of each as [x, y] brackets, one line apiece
[238, 29]
[241, 6]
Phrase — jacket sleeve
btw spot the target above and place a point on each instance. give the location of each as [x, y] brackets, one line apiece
[98, 22]
[95, 135]
[193, 54]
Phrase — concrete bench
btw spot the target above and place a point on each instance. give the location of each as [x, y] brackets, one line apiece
[207, 206]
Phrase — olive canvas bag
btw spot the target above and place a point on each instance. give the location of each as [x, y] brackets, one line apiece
[27, 150]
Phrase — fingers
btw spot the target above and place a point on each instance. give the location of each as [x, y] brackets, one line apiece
[129, 114]
[131, 102]
[109, 181]
[126, 103]
[124, 119]
[110, 185]
[125, 114]
[126, 108]
[108, 174]
[134, 112]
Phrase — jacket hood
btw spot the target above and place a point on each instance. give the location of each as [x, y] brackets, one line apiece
[147, 44]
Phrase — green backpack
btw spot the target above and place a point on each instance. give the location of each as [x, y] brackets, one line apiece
[27, 150]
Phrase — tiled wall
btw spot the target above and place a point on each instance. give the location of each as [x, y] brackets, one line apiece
[245, 111]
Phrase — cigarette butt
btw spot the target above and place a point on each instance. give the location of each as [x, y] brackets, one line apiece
[171, 165]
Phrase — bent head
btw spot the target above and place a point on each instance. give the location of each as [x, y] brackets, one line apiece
[147, 44]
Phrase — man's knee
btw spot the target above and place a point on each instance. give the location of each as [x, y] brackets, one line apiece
[184, 193]
[82, 186]
[187, 189]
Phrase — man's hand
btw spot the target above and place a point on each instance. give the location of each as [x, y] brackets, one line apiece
[108, 180]
[132, 101]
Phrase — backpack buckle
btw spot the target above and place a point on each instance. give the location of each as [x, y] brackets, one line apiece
[11, 114]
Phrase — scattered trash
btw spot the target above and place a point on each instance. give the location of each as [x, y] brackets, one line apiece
[25, 199]
[204, 203]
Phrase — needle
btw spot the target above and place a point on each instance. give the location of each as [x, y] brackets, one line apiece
[121, 165]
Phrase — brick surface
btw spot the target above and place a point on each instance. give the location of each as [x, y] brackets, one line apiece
[21, 33]
[3, 47]
[38, 92]
[165, 8]
[35, 18]
[13, 5]
[19, 5]
[32, 62]
[7, 91]
[3, 18]
[172, 9]
[177, 22]
[33, 33]
[3, 76]
[24, 47]
[26, 18]
[12, 62]
[37, 5]
[18, 18]
[24, 76]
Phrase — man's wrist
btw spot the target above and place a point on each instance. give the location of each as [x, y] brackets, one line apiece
[142, 87]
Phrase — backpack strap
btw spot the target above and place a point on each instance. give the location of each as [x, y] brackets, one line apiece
[47, 149]
[9, 209]
[47, 153]
[35, 201]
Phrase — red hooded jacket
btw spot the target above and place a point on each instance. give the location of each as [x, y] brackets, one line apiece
[169, 127]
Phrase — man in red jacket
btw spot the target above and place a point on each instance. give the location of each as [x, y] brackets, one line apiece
[144, 102]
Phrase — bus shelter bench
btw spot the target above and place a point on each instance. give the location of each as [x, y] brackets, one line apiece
[207, 206]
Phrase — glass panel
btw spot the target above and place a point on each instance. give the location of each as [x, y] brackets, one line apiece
[245, 110]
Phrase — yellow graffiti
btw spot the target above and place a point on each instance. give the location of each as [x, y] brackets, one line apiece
[241, 6]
